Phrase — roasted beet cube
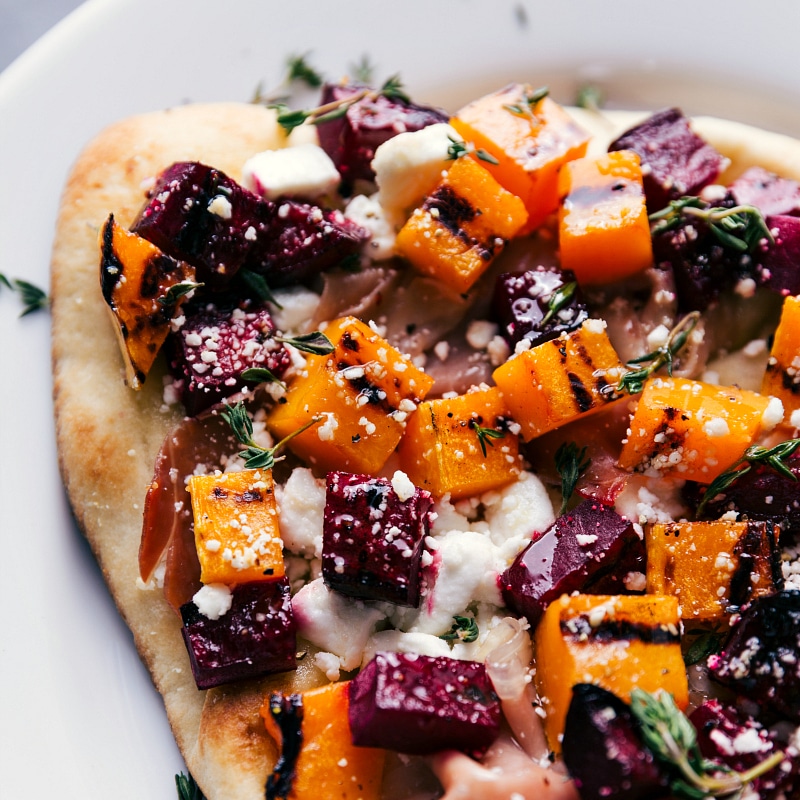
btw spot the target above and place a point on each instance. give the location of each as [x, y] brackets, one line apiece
[779, 260]
[255, 637]
[761, 658]
[675, 160]
[522, 301]
[352, 139]
[215, 345]
[302, 240]
[581, 548]
[198, 214]
[768, 192]
[420, 704]
[372, 542]
[604, 751]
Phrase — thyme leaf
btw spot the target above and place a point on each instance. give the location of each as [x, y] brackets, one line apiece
[560, 298]
[177, 291]
[706, 644]
[255, 456]
[464, 629]
[570, 465]
[316, 343]
[590, 97]
[740, 228]
[673, 740]
[258, 286]
[529, 100]
[261, 375]
[363, 70]
[775, 458]
[298, 69]
[33, 298]
[633, 381]
[187, 788]
[485, 435]
[456, 149]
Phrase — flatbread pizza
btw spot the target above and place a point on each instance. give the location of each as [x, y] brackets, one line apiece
[110, 434]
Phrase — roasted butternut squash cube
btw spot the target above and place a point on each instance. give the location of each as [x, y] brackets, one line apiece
[136, 277]
[531, 139]
[615, 641]
[560, 380]
[693, 430]
[782, 378]
[363, 392]
[713, 568]
[329, 764]
[462, 225]
[603, 229]
[461, 445]
[236, 527]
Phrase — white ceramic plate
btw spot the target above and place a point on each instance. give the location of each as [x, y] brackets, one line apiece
[80, 717]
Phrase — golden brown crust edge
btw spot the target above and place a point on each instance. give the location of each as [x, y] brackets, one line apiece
[108, 435]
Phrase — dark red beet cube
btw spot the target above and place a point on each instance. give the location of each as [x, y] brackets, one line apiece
[256, 637]
[372, 541]
[521, 303]
[215, 345]
[761, 658]
[582, 547]
[779, 260]
[302, 240]
[675, 159]
[200, 215]
[419, 705]
[604, 751]
[768, 192]
[352, 139]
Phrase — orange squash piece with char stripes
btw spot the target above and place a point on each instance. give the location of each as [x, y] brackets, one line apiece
[615, 641]
[329, 765]
[693, 430]
[782, 378]
[603, 229]
[530, 138]
[236, 527]
[442, 450]
[362, 394]
[462, 226]
[560, 380]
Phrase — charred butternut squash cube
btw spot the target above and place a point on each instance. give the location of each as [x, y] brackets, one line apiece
[782, 378]
[136, 278]
[560, 380]
[615, 641]
[461, 226]
[461, 445]
[329, 764]
[363, 392]
[530, 138]
[236, 527]
[693, 430]
[603, 229]
[713, 568]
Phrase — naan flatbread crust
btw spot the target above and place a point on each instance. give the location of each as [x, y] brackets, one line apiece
[109, 435]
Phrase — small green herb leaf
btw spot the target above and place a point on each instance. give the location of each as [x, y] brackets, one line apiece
[393, 89]
[288, 118]
[188, 788]
[485, 436]
[33, 298]
[457, 149]
[261, 375]
[177, 291]
[571, 463]
[702, 647]
[775, 458]
[464, 629]
[316, 343]
[530, 98]
[559, 300]
[298, 69]
[364, 70]
[590, 97]
[258, 286]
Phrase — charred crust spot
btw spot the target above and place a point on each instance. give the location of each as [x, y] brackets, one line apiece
[110, 265]
[582, 396]
[617, 630]
[670, 413]
[250, 496]
[349, 343]
[790, 382]
[453, 209]
[219, 493]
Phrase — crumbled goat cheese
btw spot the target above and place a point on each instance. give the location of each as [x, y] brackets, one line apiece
[381, 224]
[302, 171]
[301, 506]
[297, 307]
[773, 414]
[393, 641]
[330, 664]
[221, 207]
[213, 600]
[403, 487]
[480, 333]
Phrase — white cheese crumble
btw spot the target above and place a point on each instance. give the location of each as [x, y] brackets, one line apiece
[301, 506]
[213, 600]
[297, 306]
[403, 487]
[380, 223]
[221, 207]
[773, 414]
[302, 171]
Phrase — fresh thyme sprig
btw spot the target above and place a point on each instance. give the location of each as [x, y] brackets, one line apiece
[570, 465]
[187, 788]
[773, 457]
[290, 119]
[177, 291]
[255, 456]
[559, 300]
[590, 97]
[363, 70]
[530, 98]
[457, 149]
[33, 298]
[465, 629]
[316, 343]
[673, 740]
[298, 70]
[740, 228]
[633, 381]
[261, 375]
[485, 435]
